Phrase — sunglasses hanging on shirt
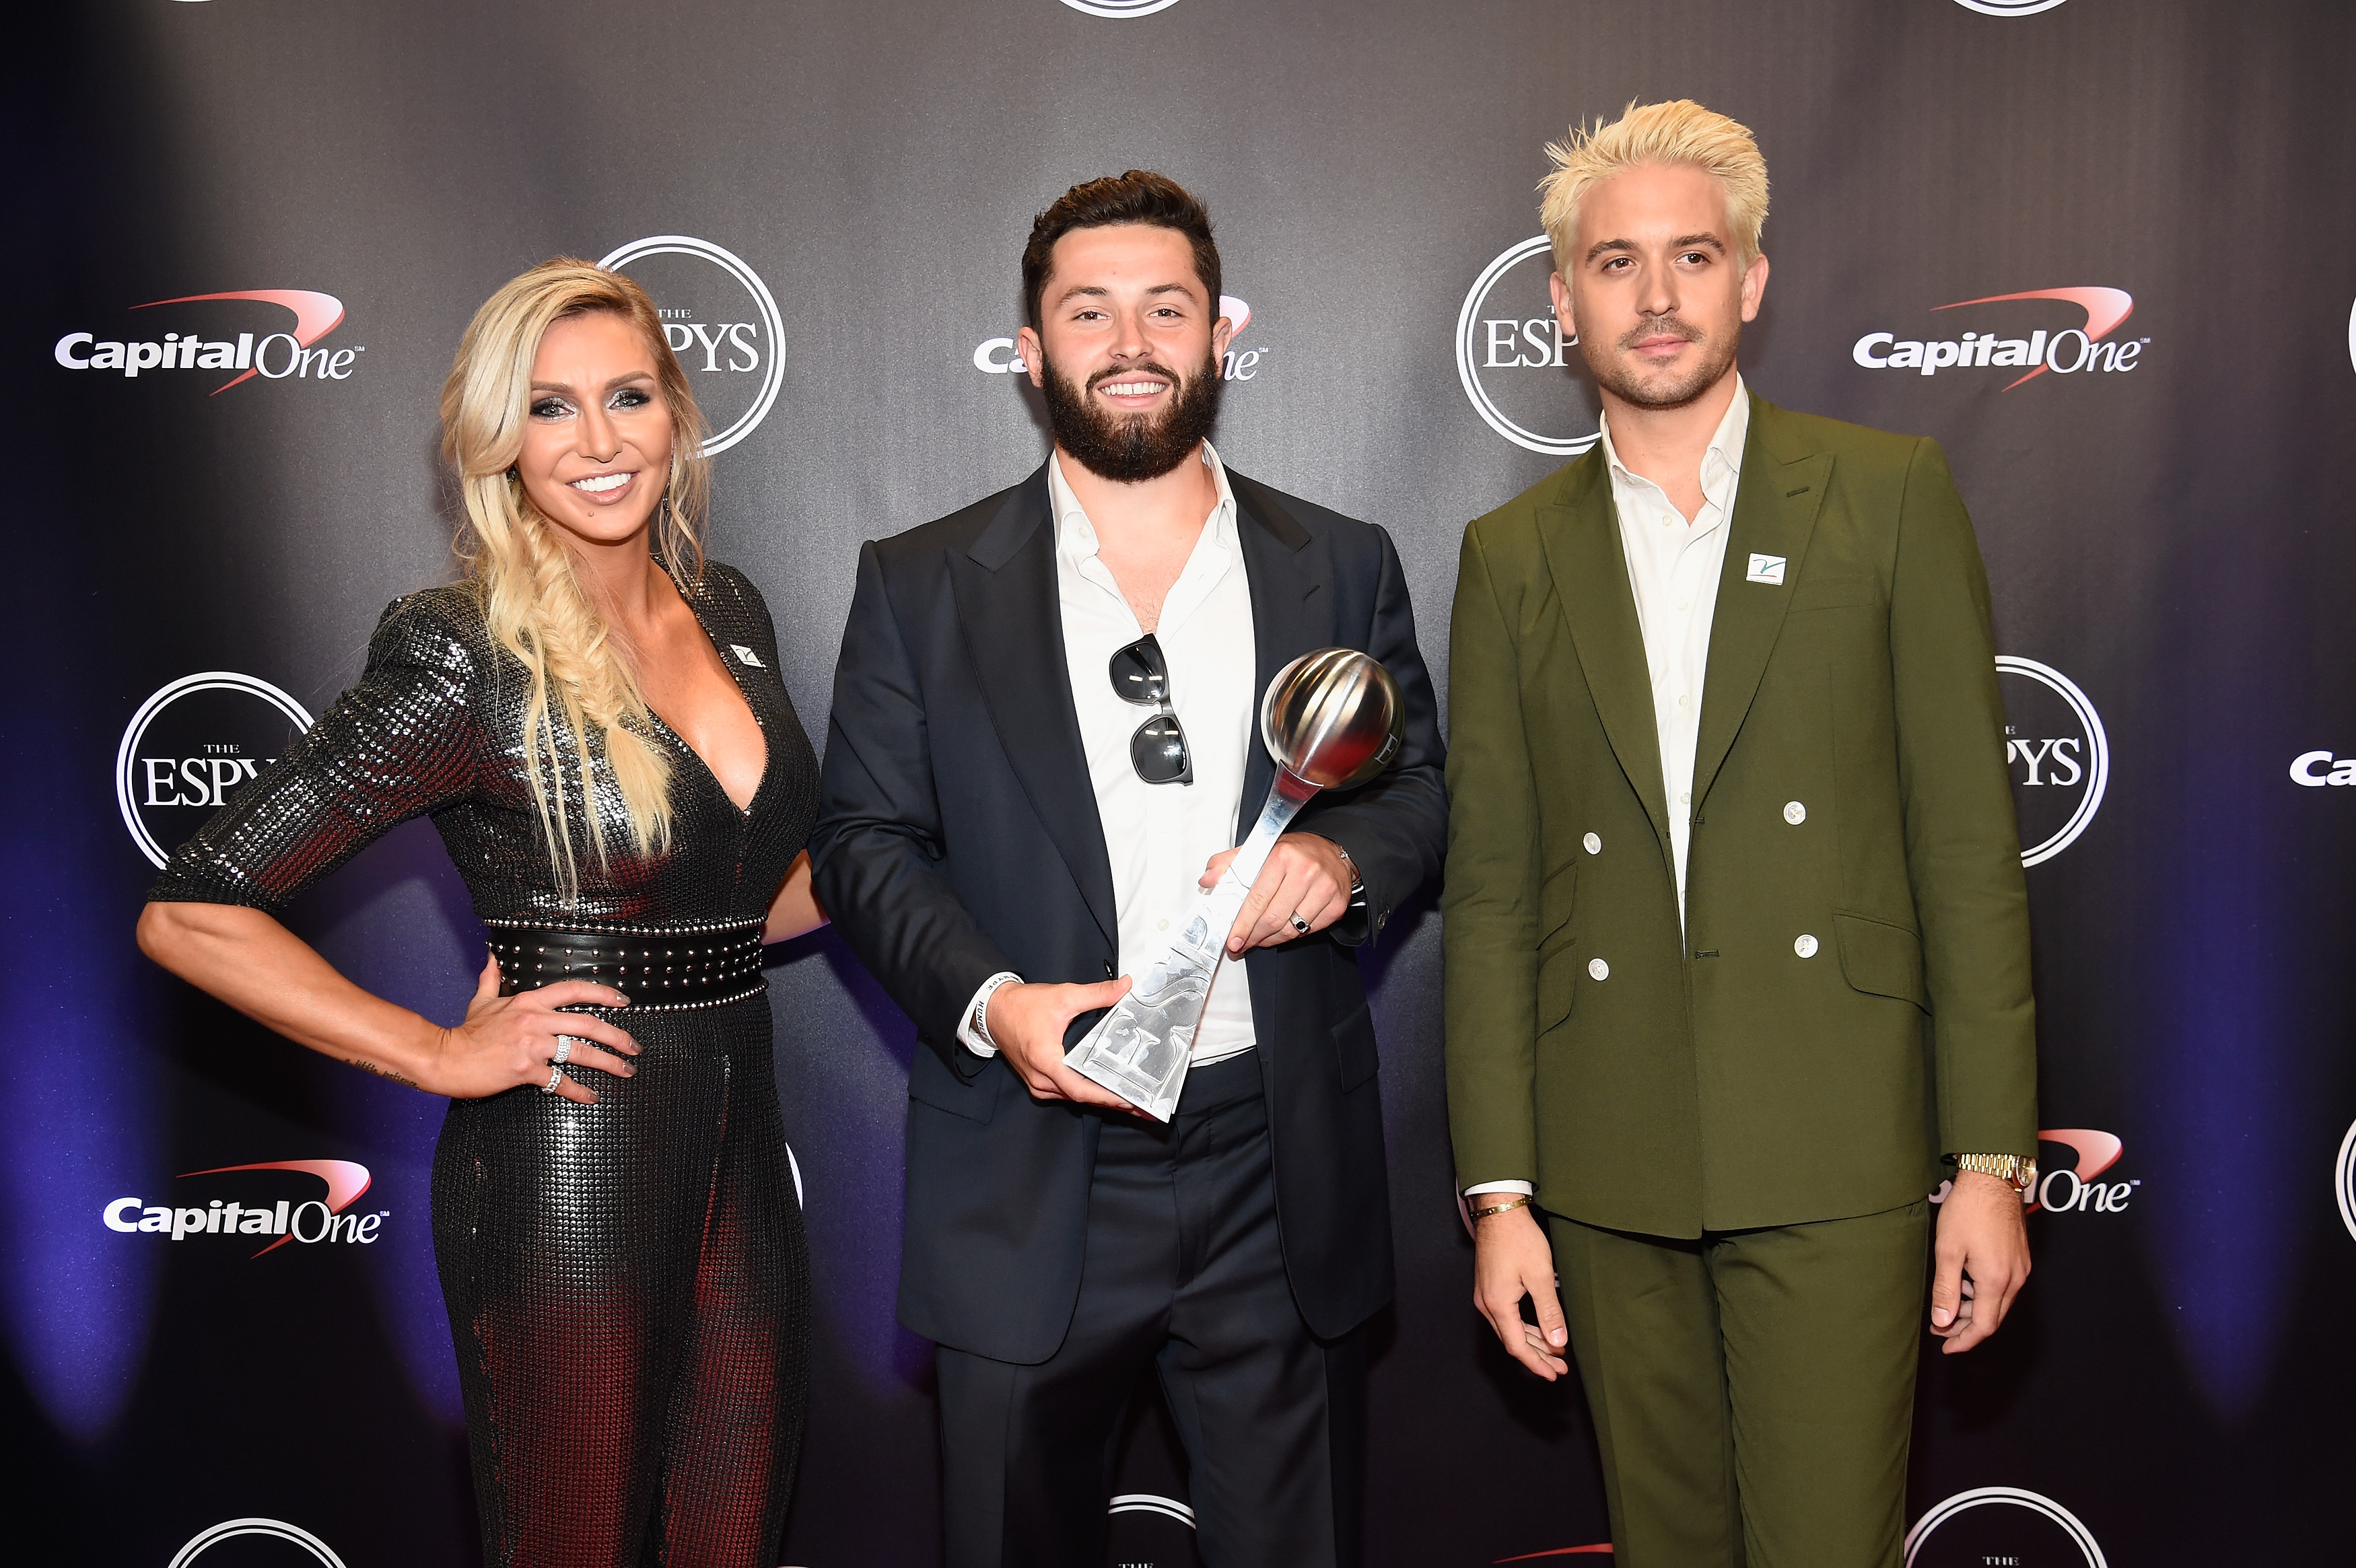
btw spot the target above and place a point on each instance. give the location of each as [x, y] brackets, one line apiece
[1158, 750]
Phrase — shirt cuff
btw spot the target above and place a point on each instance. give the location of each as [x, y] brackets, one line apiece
[1523, 1187]
[966, 1035]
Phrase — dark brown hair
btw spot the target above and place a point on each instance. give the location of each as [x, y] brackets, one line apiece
[1137, 197]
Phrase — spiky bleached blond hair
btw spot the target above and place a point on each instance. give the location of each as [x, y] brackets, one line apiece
[1682, 132]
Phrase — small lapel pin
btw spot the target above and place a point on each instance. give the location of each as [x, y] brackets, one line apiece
[754, 659]
[1767, 569]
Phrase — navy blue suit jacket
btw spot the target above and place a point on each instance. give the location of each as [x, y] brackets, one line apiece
[959, 837]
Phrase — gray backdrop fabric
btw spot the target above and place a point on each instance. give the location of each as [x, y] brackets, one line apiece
[829, 200]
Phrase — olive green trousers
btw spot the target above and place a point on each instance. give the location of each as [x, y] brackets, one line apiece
[1753, 1390]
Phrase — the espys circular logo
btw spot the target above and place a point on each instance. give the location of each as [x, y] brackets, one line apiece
[2055, 750]
[2344, 1179]
[294, 1535]
[705, 296]
[1513, 358]
[1983, 1525]
[1118, 8]
[2008, 8]
[189, 748]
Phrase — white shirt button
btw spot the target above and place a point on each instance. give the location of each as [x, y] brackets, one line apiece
[1600, 969]
[1594, 843]
[1162, 926]
[1806, 947]
[1794, 813]
[1684, 701]
[1685, 799]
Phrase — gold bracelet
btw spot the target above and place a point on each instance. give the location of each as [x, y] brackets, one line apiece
[1519, 1200]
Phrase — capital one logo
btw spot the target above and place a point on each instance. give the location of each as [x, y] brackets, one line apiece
[722, 322]
[2318, 769]
[191, 746]
[278, 1214]
[1511, 356]
[2097, 1152]
[225, 339]
[999, 355]
[2058, 756]
[2001, 1525]
[1119, 8]
[296, 1536]
[2080, 347]
[2008, 8]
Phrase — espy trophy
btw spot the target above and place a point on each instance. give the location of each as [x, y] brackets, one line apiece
[1332, 720]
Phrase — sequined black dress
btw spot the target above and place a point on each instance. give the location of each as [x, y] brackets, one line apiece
[627, 1282]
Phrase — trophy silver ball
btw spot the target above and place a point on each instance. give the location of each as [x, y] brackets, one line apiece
[1333, 717]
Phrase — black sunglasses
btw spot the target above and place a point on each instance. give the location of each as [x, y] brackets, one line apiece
[1158, 750]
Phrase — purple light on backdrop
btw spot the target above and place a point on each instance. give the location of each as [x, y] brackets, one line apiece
[82, 1126]
[398, 922]
[2222, 1107]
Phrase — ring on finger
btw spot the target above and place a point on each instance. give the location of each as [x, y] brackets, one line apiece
[555, 1076]
[1300, 927]
[563, 1051]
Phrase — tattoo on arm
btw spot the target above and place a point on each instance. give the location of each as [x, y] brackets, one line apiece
[383, 1071]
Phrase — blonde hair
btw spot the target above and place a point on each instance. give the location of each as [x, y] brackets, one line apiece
[534, 602]
[1679, 133]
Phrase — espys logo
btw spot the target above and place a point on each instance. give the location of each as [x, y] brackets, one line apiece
[2058, 757]
[997, 357]
[2344, 1179]
[293, 1535]
[272, 356]
[190, 746]
[1510, 356]
[1120, 8]
[1984, 1526]
[705, 296]
[312, 1222]
[2065, 353]
[2318, 769]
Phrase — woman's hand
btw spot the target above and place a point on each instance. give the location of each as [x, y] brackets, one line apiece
[511, 1041]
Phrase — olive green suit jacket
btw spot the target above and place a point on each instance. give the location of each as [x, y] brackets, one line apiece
[1670, 1082]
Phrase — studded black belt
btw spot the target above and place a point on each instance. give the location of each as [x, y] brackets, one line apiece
[673, 966]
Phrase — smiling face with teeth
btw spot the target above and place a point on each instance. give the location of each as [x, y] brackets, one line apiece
[1121, 310]
[597, 440]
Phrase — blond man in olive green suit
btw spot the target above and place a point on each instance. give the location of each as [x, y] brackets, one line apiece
[1737, 937]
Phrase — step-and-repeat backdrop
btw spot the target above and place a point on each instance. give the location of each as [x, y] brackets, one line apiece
[2100, 248]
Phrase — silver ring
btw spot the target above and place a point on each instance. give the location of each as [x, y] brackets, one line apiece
[555, 1076]
[1300, 927]
[563, 1051]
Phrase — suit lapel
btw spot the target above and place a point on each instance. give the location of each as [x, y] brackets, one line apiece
[1292, 611]
[1775, 507]
[1014, 623]
[1580, 533]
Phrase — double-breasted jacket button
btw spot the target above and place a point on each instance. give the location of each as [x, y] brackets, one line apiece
[1794, 813]
[1600, 969]
[1594, 843]
[1805, 946]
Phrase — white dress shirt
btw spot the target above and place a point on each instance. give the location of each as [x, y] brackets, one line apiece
[1158, 837]
[1674, 566]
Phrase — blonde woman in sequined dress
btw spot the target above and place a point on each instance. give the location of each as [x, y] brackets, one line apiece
[594, 719]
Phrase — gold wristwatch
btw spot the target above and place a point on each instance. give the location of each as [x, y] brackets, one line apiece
[2015, 1173]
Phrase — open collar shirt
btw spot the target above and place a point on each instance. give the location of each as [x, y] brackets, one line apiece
[1673, 567]
[1158, 837]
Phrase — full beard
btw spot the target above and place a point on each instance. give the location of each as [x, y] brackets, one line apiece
[1133, 448]
[1665, 390]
